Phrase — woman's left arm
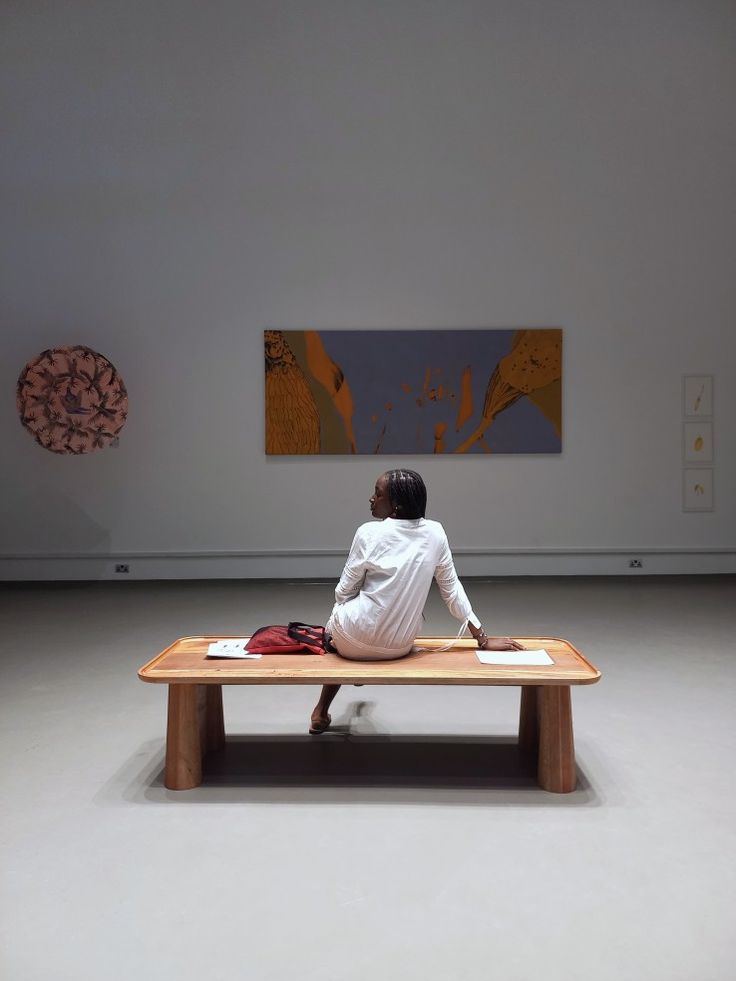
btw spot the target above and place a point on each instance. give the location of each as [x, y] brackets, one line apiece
[458, 604]
[353, 574]
[487, 643]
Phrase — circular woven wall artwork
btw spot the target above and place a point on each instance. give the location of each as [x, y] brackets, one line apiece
[72, 400]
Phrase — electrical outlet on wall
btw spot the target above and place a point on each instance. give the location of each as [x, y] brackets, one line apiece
[636, 564]
[122, 567]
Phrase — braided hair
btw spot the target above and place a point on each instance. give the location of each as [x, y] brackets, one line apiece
[407, 493]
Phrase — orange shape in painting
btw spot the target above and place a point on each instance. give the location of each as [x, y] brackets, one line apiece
[439, 437]
[465, 409]
[330, 376]
[535, 360]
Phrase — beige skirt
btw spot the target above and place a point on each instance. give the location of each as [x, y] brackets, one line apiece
[346, 648]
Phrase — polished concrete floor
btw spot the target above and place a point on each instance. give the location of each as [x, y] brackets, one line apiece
[411, 843]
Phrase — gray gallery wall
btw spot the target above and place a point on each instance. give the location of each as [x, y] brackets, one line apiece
[176, 176]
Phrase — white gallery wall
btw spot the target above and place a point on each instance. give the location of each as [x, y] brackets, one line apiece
[177, 176]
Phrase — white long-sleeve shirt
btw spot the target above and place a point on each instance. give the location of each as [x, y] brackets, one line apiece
[385, 583]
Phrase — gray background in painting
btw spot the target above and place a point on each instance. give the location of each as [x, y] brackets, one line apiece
[177, 176]
[376, 365]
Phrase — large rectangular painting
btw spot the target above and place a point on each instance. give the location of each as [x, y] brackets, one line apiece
[413, 391]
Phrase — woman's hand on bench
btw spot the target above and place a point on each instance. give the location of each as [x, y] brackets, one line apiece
[487, 643]
[500, 644]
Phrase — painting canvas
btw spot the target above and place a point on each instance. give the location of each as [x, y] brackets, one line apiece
[413, 391]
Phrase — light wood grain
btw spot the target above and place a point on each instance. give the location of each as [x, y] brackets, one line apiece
[185, 662]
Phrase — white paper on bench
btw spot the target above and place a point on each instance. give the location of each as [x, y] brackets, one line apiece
[514, 657]
[230, 648]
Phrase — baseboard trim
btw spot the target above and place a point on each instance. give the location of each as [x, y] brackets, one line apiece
[327, 563]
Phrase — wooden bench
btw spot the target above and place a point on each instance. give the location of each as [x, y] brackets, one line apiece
[195, 718]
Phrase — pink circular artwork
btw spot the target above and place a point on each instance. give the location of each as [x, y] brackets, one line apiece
[72, 400]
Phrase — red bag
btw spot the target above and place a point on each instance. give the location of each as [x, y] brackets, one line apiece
[297, 638]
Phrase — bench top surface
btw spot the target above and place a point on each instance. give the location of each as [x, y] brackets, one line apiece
[185, 662]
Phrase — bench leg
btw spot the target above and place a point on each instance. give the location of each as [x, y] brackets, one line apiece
[195, 727]
[183, 739]
[556, 764]
[211, 721]
[529, 720]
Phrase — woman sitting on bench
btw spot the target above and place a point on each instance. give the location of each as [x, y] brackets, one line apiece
[386, 580]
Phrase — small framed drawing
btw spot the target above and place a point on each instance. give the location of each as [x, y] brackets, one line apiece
[697, 396]
[697, 442]
[697, 490]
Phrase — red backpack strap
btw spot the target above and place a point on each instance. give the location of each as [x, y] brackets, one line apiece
[312, 637]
